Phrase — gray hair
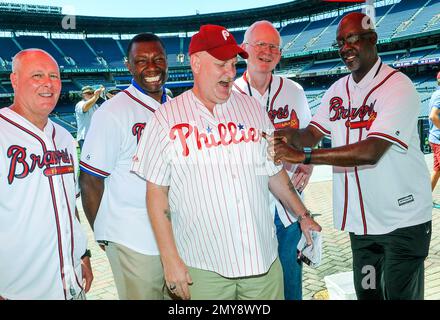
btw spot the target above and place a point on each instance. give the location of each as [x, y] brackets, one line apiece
[249, 30]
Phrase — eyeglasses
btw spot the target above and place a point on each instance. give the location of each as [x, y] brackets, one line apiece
[338, 44]
[260, 46]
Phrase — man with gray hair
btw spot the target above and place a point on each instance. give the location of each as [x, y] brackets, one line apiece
[46, 256]
[286, 105]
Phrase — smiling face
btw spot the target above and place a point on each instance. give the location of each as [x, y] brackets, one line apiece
[262, 59]
[37, 85]
[213, 78]
[147, 62]
[360, 56]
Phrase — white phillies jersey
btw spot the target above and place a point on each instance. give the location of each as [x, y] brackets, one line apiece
[107, 153]
[42, 240]
[83, 119]
[394, 193]
[217, 169]
[287, 107]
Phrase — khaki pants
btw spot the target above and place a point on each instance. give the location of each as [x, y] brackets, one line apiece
[137, 276]
[209, 285]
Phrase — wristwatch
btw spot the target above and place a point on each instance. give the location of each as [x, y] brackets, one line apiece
[308, 155]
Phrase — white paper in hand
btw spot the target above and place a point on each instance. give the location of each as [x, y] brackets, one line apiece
[311, 255]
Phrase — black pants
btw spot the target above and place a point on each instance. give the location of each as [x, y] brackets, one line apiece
[391, 266]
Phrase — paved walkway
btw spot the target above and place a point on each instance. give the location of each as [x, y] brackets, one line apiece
[336, 247]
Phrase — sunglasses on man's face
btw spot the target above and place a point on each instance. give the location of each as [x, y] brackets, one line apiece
[351, 39]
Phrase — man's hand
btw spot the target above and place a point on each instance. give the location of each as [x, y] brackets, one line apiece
[177, 278]
[98, 91]
[307, 224]
[287, 135]
[301, 177]
[278, 150]
[87, 273]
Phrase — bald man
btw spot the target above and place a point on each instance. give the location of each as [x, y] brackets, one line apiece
[43, 253]
[286, 105]
[381, 184]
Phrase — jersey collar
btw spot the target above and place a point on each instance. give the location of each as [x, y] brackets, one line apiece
[369, 77]
[139, 88]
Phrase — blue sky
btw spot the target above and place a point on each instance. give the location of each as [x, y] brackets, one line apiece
[149, 8]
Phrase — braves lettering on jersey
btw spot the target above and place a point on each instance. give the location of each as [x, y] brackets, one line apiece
[107, 153]
[217, 169]
[394, 193]
[42, 239]
[287, 108]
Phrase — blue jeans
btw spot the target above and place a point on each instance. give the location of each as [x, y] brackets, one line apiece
[288, 239]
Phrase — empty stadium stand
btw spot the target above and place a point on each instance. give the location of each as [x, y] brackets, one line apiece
[409, 39]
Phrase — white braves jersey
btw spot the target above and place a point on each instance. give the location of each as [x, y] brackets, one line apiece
[83, 119]
[394, 193]
[287, 108]
[42, 240]
[107, 153]
[217, 169]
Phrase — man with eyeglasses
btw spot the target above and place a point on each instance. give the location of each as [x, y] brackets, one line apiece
[286, 104]
[381, 184]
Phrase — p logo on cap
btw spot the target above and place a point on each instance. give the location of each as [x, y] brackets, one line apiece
[217, 41]
[225, 34]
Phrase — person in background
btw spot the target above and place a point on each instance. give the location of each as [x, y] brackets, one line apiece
[113, 198]
[84, 110]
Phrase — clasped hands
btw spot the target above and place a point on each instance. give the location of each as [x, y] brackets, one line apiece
[280, 148]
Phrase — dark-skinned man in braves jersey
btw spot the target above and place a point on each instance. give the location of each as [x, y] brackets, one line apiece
[381, 189]
[113, 197]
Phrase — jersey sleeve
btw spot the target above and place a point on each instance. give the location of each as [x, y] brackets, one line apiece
[101, 146]
[321, 119]
[396, 114]
[151, 161]
[306, 114]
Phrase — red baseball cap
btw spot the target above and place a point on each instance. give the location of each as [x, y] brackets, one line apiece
[217, 41]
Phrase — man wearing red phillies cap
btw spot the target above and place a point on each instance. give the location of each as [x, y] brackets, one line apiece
[204, 158]
[434, 134]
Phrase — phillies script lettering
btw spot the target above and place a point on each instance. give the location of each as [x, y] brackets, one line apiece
[338, 111]
[227, 134]
[21, 165]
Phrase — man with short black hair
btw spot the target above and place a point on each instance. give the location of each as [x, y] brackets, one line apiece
[113, 198]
